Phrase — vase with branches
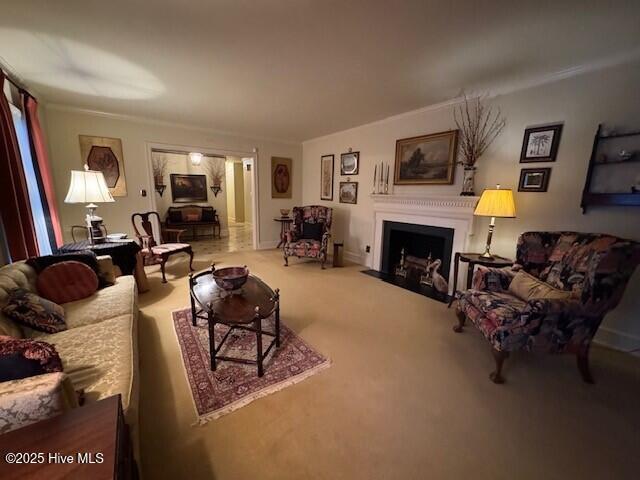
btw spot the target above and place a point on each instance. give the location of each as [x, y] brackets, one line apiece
[479, 125]
[159, 167]
[214, 167]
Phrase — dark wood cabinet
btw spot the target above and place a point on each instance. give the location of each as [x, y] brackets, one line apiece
[90, 442]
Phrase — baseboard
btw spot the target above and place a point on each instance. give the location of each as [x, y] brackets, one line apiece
[354, 257]
[617, 340]
[268, 245]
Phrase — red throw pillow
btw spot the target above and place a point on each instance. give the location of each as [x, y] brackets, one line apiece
[67, 281]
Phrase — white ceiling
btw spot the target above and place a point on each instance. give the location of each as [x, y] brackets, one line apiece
[297, 69]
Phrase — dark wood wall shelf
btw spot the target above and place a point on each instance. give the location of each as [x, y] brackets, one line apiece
[602, 148]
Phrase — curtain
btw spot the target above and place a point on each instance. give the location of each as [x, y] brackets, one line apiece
[45, 179]
[14, 197]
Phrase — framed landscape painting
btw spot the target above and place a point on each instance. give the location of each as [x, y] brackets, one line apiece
[326, 177]
[348, 192]
[426, 160]
[188, 188]
[540, 144]
[281, 177]
[104, 154]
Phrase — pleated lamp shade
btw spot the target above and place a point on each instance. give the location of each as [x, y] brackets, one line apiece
[88, 186]
[496, 202]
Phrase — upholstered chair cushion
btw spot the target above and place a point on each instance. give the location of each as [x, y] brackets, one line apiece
[22, 358]
[67, 282]
[35, 312]
[174, 216]
[312, 231]
[191, 214]
[208, 214]
[527, 287]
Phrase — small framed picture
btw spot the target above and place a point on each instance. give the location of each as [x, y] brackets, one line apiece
[540, 144]
[348, 192]
[349, 163]
[534, 179]
[326, 177]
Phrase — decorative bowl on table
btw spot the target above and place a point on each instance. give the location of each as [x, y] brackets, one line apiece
[284, 212]
[230, 278]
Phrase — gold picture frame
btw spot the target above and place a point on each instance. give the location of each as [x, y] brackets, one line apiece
[104, 154]
[426, 159]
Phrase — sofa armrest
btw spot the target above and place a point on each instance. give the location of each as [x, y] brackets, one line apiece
[492, 279]
[32, 399]
[555, 306]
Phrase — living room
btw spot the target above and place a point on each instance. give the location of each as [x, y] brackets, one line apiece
[341, 241]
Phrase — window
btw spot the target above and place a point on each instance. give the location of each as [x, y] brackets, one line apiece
[35, 200]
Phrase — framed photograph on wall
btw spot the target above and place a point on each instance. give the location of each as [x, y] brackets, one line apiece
[348, 192]
[540, 144]
[281, 177]
[188, 188]
[326, 177]
[349, 163]
[426, 160]
[104, 154]
[534, 179]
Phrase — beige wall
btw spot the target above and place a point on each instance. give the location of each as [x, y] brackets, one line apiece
[64, 125]
[238, 180]
[181, 164]
[608, 96]
[231, 190]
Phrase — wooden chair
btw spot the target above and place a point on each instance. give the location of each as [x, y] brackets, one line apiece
[77, 236]
[158, 253]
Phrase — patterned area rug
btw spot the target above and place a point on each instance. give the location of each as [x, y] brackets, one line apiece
[234, 385]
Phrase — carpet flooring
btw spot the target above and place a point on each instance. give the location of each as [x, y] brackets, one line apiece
[405, 397]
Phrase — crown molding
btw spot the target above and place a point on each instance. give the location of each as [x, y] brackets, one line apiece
[163, 123]
[504, 89]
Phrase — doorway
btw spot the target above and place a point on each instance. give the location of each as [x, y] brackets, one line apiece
[231, 184]
[239, 185]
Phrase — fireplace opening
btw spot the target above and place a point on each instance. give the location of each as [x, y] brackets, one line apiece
[416, 257]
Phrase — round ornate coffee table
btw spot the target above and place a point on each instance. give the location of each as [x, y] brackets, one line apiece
[242, 310]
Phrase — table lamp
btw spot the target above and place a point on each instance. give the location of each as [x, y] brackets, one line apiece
[495, 203]
[89, 186]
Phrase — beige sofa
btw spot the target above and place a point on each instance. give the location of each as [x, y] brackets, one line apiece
[98, 352]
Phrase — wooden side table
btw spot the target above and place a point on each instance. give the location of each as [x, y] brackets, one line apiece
[285, 226]
[94, 436]
[473, 259]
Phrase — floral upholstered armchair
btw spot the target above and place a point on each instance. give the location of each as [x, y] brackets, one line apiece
[309, 234]
[553, 298]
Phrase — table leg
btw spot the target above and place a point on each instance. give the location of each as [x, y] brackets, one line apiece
[282, 235]
[258, 327]
[470, 274]
[456, 262]
[212, 339]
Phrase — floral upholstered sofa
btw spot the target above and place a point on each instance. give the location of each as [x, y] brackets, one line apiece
[98, 351]
[309, 234]
[583, 277]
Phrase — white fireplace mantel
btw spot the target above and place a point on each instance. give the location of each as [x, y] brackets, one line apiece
[448, 211]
